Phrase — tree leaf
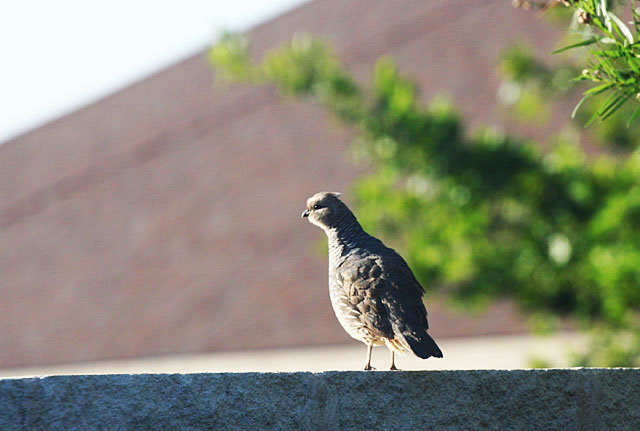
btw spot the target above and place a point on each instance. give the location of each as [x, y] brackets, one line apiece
[611, 100]
[576, 45]
[613, 107]
[575, 110]
[622, 27]
[634, 115]
[599, 89]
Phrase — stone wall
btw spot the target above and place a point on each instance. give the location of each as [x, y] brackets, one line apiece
[556, 399]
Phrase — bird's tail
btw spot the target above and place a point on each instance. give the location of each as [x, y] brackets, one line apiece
[422, 344]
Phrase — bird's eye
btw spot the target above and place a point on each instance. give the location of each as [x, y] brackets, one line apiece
[317, 207]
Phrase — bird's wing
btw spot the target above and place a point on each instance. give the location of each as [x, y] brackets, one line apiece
[402, 293]
[401, 296]
[361, 285]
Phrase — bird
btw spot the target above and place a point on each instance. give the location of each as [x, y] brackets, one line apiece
[373, 292]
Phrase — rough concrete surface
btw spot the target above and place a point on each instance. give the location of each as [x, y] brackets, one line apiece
[554, 399]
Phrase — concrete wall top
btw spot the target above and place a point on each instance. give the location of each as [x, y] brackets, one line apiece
[554, 399]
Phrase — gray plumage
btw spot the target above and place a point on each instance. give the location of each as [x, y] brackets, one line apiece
[374, 294]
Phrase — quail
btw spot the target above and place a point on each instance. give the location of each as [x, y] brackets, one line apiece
[374, 293]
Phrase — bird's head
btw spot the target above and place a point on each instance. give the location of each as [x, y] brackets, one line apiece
[326, 210]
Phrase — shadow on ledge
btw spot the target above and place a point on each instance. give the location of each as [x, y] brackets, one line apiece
[554, 399]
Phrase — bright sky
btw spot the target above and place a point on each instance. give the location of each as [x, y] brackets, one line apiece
[57, 56]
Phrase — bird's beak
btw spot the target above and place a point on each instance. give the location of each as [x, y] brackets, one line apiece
[305, 213]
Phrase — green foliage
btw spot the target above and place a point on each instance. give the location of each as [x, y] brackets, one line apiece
[233, 52]
[484, 216]
[529, 85]
[611, 348]
[614, 55]
[539, 363]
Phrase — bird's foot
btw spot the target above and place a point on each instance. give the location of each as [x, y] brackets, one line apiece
[393, 368]
[369, 368]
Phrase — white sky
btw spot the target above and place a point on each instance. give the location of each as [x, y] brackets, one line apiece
[58, 55]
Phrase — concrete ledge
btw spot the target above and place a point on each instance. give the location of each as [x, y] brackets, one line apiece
[556, 399]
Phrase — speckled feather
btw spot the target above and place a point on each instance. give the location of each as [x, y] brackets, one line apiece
[374, 293]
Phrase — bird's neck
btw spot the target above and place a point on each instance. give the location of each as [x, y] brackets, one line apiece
[345, 237]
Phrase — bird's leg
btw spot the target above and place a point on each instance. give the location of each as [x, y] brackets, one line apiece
[393, 362]
[368, 366]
